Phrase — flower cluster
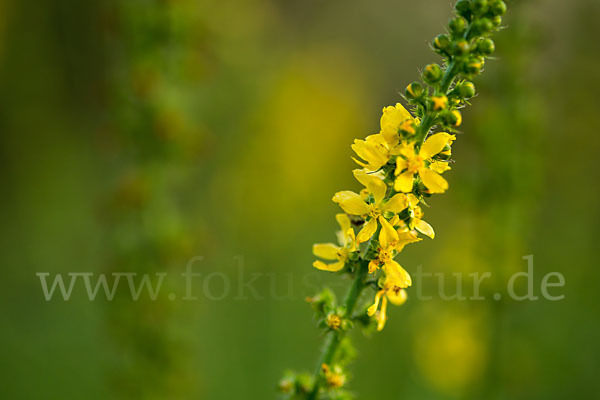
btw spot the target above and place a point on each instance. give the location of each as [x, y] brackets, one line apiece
[403, 164]
[400, 167]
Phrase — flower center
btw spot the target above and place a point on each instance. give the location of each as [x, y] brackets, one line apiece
[374, 211]
[414, 164]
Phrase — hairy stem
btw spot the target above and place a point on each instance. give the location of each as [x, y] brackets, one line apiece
[448, 77]
[334, 338]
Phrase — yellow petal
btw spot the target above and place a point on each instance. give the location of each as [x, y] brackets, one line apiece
[382, 317]
[362, 164]
[328, 251]
[388, 235]
[396, 204]
[367, 231]
[434, 181]
[371, 153]
[397, 297]
[401, 165]
[343, 221]
[407, 149]
[439, 166]
[412, 200]
[390, 121]
[404, 182]
[350, 241]
[434, 144]
[373, 308]
[397, 275]
[351, 202]
[405, 238]
[329, 267]
[372, 182]
[424, 228]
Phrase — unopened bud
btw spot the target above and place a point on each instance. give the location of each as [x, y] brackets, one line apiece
[414, 90]
[486, 46]
[460, 47]
[497, 7]
[479, 6]
[441, 43]
[463, 7]
[457, 26]
[465, 90]
[432, 74]
[474, 66]
[482, 26]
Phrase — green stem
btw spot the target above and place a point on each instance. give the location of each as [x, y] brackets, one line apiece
[428, 119]
[448, 77]
[334, 338]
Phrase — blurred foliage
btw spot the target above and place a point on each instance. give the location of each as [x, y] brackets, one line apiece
[135, 135]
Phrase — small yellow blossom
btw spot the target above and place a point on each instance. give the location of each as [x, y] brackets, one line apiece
[333, 252]
[411, 162]
[333, 321]
[374, 150]
[390, 291]
[334, 377]
[391, 243]
[439, 102]
[408, 126]
[416, 222]
[392, 119]
[354, 204]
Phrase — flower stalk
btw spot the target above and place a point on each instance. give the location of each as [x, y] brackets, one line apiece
[401, 167]
[334, 338]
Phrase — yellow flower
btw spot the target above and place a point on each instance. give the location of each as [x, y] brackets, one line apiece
[374, 150]
[354, 204]
[393, 118]
[411, 162]
[334, 377]
[391, 242]
[330, 251]
[439, 102]
[415, 214]
[333, 321]
[390, 291]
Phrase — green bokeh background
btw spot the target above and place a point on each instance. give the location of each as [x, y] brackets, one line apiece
[136, 135]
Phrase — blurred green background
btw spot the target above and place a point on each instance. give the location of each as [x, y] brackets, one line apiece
[136, 135]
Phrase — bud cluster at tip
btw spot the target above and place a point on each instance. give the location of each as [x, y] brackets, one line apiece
[464, 48]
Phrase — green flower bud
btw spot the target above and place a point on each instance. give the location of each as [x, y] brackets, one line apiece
[486, 46]
[497, 21]
[286, 385]
[473, 66]
[479, 6]
[463, 8]
[347, 325]
[414, 90]
[453, 118]
[458, 26]
[441, 43]
[482, 26]
[460, 47]
[497, 7]
[432, 74]
[465, 90]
